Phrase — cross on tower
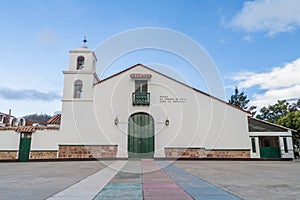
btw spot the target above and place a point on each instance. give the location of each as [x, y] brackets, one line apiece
[84, 41]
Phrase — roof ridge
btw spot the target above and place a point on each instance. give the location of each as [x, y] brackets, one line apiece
[195, 89]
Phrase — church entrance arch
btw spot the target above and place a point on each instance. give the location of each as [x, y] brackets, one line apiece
[140, 136]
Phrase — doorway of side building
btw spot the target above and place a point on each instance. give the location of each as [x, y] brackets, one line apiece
[24, 147]
[269, 147]
[140, 136]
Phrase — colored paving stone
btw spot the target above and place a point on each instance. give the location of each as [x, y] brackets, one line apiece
[89, 187]
[158, 185]
[137, 180]
[125, 185]
[194, 186]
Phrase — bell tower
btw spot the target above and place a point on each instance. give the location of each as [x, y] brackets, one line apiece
[81, 76]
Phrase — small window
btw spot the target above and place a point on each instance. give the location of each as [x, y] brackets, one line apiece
[253, 145]
[141, 85]
[80, 63]
[285, 145]
[77, 89]
[22, 122]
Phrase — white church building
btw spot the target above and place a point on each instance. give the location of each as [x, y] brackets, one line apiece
[140, 112]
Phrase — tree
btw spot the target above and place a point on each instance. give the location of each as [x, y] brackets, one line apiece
[273, 113]
[295, 106]
[285, 114]
[240, 100]
[38, 118]
[292, 121]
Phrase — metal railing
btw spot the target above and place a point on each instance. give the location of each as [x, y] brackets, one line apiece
[141, 98]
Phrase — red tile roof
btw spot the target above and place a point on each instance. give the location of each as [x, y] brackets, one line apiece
[55, 119]
[28, 129]
[3, 128]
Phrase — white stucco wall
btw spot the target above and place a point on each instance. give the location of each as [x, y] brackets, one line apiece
[45, 140]
[198, 121]
[9, 140]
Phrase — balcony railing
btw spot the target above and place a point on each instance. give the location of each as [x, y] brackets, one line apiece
[141, 98]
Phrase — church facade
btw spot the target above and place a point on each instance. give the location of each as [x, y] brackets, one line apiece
[142, 113]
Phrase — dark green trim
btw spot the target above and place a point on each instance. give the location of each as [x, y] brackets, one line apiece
[87, 145]
[271, 136]
[8, 150]
[207, 149]
[184, 148]
[227, 149]
[44, 151]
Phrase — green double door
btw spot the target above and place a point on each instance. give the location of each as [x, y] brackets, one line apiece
[269, 147]
[141, 136]
[270, 152]
[24, 148]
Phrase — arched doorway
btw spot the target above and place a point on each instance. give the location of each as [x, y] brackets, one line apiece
[140, 136]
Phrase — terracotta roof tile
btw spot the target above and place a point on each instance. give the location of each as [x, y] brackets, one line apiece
[55, 119]
[2, 128]
[28, 129]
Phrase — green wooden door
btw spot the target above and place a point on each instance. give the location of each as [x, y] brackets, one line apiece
[140, 136]
[270, 152]
[269, 147]
[24, 148]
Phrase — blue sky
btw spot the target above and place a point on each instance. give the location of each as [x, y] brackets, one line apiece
[255, 45]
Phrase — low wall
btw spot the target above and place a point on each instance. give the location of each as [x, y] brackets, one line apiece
[203, 153]
[87, 151]
[43, 155]
[8, 155]
[185, 152]
[228, 153]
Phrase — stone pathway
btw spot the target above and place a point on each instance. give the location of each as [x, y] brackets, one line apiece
[146, 179]
[194, 186]
[126, 184]
[158, 185]
[89, 187]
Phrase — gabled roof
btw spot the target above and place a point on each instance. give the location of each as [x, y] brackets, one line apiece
[199, 91]
[258, 125]
[55, 120]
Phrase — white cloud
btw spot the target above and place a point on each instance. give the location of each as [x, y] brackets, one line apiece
[27, 94]
[270, 16]
[271, 96]
[277, 84]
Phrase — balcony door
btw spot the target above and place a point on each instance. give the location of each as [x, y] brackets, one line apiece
[141, 136]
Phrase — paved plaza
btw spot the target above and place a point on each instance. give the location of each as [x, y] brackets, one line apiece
[149, 179]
